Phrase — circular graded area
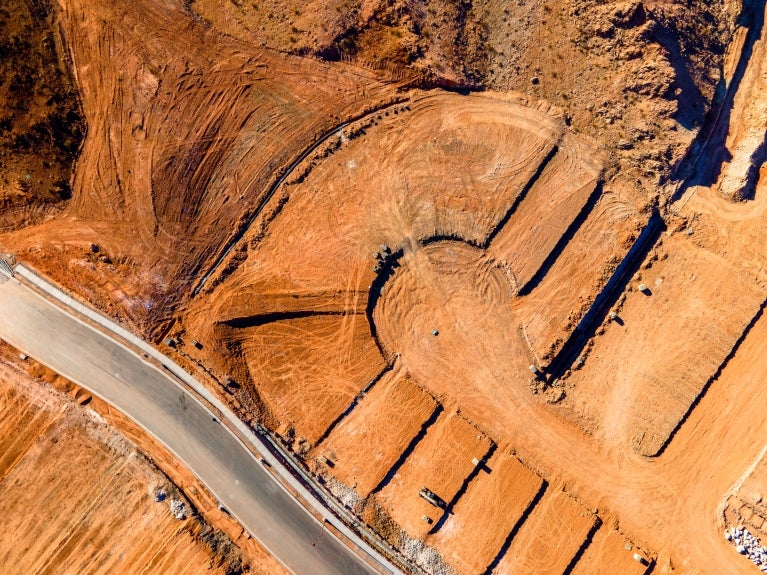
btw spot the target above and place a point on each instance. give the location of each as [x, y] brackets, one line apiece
[444, 166]
[447, 311]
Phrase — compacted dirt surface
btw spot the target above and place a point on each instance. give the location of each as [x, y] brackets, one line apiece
[78, 497]
[493, 274]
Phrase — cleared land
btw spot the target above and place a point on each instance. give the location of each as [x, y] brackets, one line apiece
[628, 393]
[400, 235]
[441, 462]
[550, 538]
[337, 358]
[72, 492]
[413, 266]
[388, 419]
[609, 552]
[486, 516]
[170, 168]
[563, 189]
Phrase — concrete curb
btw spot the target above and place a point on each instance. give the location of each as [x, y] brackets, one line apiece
[256, 441]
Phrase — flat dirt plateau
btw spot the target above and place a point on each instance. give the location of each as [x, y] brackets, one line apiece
[493, 273]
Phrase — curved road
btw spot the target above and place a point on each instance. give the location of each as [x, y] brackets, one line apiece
[179, 421]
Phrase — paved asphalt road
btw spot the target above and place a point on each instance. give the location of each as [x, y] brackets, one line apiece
[162, 407]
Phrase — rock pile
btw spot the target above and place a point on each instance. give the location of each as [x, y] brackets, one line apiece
[178, 509]
[748, 545]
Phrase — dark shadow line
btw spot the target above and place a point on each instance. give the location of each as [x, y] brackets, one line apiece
[409, 449]
[564, 239]
[390, 263]
[711, 380]
[748, 192]
[448, 238]
[464, 486]
[521, 196]
[582, 549]
[587, 327]
[517, 526]
[353, 404]
[270, 317]
[708, 137]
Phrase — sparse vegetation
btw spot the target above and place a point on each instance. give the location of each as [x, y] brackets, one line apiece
[42, 125]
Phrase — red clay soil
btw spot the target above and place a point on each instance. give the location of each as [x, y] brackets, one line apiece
[454, 240]
[440, 462]
[628, 393]
[550, 538]
[171, 167]
[330, 262]
[387, 419]
[389, 247]
[496, 501]
[337, 358]
[73, 491]
[609, 552]
[563, 189]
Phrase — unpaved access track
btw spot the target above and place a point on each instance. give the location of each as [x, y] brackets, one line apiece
[187, 130]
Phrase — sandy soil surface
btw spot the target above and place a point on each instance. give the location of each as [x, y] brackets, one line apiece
[610, 552]
[746, 506]
[638, 76]
[744, 149]
[550, 538]
[440, 462]
[422, 271]
[434, 236]
[344, 360]
[500, 496]
[73, 491]
[627, 393]
[389, 418]
[169, 156]
[415, 264]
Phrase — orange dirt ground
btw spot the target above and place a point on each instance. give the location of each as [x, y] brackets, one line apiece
[747, 507]
[73, 491]
[550, 538]
[341, 352]
[608, 553]
[442, 461]
[627, 393]
[500, 496]
[170, 167]
[388, 418]
[386, 301]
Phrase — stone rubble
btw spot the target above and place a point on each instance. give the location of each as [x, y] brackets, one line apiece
[747, 544]
[178, 509]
